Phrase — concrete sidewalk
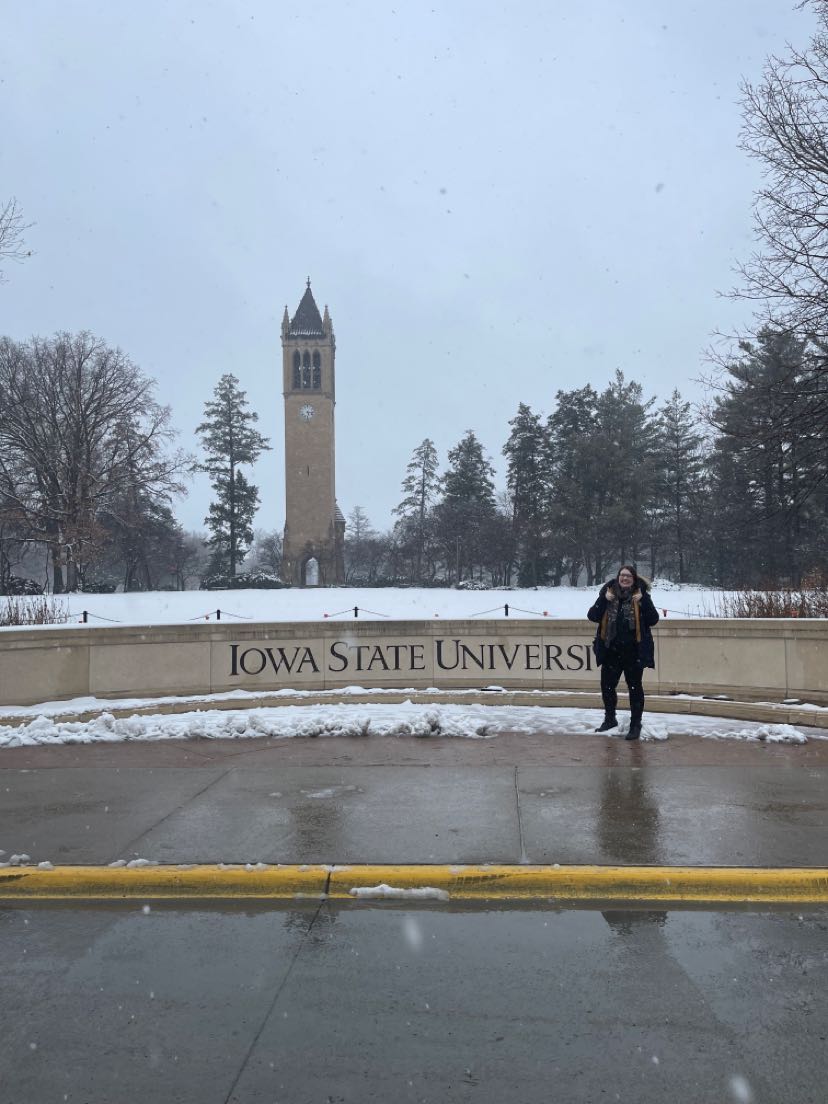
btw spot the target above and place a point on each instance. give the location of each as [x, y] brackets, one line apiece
[513, 799]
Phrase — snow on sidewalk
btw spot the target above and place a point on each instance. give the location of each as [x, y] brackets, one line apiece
[406, 719]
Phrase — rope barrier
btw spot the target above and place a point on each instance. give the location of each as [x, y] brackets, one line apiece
[227, 613]
[507, 609]
[218, 613]
[86, 614]
[356, 610]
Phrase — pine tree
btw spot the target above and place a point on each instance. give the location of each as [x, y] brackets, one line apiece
[420, 488]
[528, 477]
[776, 455]
[579, 486]
[469, 476]
[468, 503]
[229, 441]
[628, 440]
[680, 485]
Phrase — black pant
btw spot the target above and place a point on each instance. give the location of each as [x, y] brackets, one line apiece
[624, 661]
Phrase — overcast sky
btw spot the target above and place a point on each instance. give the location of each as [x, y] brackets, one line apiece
[495, 199]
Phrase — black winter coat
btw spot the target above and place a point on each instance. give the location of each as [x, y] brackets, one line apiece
[647, 616]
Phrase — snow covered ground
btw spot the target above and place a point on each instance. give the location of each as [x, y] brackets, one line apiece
[405, 719]
[394, 603]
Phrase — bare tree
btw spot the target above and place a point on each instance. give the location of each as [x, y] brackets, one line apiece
[12, 235]
[80, 433]
[266, 552]
[785, 129]
[358, 547]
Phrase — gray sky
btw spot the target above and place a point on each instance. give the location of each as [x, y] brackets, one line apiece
[495, 199]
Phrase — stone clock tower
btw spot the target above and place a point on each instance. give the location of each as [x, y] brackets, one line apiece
[314, 526]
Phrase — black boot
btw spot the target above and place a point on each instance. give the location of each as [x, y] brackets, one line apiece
[636, 711]
[608, 723]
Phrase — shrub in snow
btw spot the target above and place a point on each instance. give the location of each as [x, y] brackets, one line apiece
[811, 600]
[35, 610]
[471, 584]
[15, 584]
[98, 586]
[246, 580]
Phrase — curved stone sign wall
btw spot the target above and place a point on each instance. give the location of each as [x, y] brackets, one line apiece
[758, 660]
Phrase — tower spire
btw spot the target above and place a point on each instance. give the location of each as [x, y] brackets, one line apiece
[307, 321]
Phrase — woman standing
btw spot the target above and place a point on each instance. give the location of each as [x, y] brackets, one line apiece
[623, 643]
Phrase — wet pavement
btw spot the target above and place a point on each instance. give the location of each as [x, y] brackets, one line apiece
[349, 1004]
[319, 1002]
[511, 799]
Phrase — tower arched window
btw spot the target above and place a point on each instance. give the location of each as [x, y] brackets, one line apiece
[297, 370]
[312, 572]
[306, 370]
[317, 370]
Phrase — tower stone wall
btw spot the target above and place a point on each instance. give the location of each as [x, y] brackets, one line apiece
[314, 526]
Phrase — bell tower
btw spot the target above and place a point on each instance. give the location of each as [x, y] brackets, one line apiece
[314, 527]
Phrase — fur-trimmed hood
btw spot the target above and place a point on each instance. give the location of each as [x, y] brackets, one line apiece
[644, 585]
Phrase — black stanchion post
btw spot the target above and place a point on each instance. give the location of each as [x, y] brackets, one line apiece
[218, 615]
[356, 611]
[506, 609]
[86, 617]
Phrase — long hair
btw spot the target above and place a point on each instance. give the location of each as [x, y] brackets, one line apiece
[638, 580]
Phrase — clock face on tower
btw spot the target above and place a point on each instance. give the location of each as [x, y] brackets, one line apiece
[306, 412]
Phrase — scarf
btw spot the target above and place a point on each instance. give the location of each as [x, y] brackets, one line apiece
[624, 607]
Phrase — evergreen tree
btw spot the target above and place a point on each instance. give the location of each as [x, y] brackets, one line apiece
[470, 475]
[527, 477]
[603, 462]
[579, 484]
[731, 551]
[775, 456]
[467, 504]
[676, 520]
[628, 441]
[229, 441]
[420, 488]
[145, 539]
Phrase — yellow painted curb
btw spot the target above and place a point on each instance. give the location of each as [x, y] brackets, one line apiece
[734, 885]
[629, 883]
[179, 882]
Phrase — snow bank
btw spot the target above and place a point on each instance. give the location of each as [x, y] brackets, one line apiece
[406, 719]
[245, 698]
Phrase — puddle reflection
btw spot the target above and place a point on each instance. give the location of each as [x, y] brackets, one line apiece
[628, 816]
